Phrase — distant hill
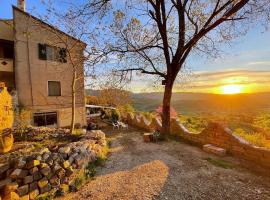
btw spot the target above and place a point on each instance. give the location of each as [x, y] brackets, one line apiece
[194, 103]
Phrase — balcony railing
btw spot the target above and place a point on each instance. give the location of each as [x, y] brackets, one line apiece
[6, 65]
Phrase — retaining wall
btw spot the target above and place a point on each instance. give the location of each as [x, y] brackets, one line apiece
[214, 133]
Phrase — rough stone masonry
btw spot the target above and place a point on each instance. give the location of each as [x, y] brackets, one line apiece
[28, 177]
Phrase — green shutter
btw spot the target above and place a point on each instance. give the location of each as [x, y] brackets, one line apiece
[42, 52]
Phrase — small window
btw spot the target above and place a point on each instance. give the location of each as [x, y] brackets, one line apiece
[45, 119]
[52, 53]
[54, 88]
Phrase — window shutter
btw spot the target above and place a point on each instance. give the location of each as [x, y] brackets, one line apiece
[63, 55]
[42, 52]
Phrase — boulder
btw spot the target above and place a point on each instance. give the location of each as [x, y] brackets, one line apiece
[4, 182]
[33, 186]
[28, 179]
[43, 182]
[32, 163]
[3, 168]
[11, 196]
[33, 194]
[23, 190]
[18, 173]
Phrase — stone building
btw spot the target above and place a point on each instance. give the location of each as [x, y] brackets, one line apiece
[37, 64]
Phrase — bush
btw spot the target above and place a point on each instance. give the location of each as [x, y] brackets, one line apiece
[255, 138]
[6, 111]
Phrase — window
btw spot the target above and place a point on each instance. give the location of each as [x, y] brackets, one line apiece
[6, 50]
[52, 53]
[54, 88]
[45, 119]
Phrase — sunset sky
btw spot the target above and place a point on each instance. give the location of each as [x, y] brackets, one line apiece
[244, 67]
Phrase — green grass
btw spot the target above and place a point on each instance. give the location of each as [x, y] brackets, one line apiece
[220, 163]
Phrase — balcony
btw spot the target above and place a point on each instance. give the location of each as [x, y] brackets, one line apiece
[6, 65]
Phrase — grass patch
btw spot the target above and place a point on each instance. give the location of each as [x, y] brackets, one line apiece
[220, 163]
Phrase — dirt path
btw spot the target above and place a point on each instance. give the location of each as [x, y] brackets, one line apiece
[168, 170]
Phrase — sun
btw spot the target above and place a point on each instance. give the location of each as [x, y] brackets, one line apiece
[231, 89]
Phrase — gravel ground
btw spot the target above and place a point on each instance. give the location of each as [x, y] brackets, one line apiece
[168, 170]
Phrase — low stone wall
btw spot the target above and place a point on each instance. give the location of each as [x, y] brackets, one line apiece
[28, 177]
[215, 134]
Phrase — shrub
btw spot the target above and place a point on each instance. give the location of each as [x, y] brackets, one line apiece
[6, 111]
[255, 138]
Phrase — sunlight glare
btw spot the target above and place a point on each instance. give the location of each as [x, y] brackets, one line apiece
[231, 89]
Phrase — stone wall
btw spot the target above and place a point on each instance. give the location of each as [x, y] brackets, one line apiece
[214, 133]
[28, 177]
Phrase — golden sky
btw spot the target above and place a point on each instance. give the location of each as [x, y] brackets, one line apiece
[219, 82]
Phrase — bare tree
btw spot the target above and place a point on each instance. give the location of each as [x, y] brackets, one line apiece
[156, 37]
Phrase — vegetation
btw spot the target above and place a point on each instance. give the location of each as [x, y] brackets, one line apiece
[220, 163]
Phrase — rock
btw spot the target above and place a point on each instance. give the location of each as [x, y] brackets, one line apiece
[43, 182]
[54, 181]
[65, 150]
[33, 170]
[66, 164]
[45, 156]
[45, 171]
[50, 162]
[25, 197]
[4, 182]
[21, 163]
[10, 187]
[33, 194]
[61, 173]
[23, 190]
[78, 161]
[33, 186]
[46, 188]
[37, 176]
[64, 188]
[3, 168]
[32, 163]
[43, 165]
[56, 167]
[69, 171]
[39, 158]
[18, 173]
[215, 150]
[11, 196]
[28, 179]
[45, 150]
[71, 160]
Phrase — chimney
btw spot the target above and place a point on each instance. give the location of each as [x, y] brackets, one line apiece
[21, 4]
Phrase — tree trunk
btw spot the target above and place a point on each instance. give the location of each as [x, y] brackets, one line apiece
[73, 102]
[166, 107]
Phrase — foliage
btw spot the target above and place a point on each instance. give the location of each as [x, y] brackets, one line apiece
[6, 111]
[193, 123]
[220, 163]
[262, 122]
[115, 115]
[125, 109]
[92, 100]
[255, 138]
[114, 97]
[149, 116]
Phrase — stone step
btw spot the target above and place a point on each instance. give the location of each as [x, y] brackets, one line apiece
[215, 150]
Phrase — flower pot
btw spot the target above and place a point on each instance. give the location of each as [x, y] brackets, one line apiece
[6, 141]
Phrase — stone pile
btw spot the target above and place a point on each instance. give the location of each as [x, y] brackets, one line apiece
[28, 177]
[46, 132]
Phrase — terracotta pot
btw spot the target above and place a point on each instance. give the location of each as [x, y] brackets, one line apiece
[6, 141]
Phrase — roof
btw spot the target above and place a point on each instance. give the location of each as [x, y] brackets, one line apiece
[62, 32]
